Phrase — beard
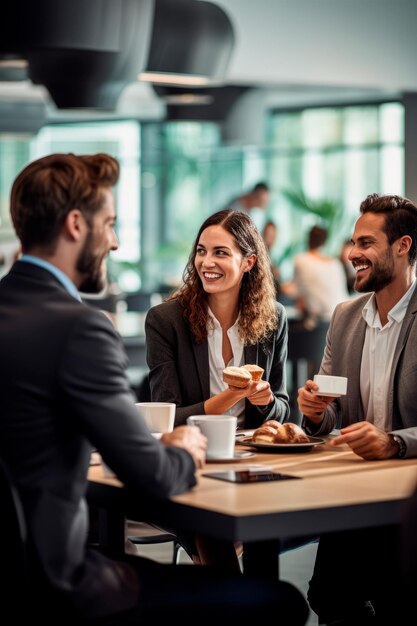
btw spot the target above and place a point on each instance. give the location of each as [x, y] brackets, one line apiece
[381, 275]
[90, 266]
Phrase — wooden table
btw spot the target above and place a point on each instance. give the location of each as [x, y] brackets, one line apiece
[338, 491]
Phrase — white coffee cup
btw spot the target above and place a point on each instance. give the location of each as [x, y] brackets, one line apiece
[220, 431]
[159, 416]
[334, 386]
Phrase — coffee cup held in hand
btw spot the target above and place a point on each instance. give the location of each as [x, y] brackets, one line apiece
[334, 386]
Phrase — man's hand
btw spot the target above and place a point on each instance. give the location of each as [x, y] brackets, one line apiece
[310, 404]
[367, 441]
[191, 439]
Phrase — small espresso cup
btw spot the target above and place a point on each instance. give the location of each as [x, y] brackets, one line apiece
[159, 416]
[331, 385]
[220, 431]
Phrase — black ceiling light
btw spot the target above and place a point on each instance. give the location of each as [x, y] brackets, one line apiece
[84, 51]
[13, 65]
[191, 43]
[207, 103]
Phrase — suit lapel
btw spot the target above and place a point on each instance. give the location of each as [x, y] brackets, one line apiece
[250, 355]
[354, 367]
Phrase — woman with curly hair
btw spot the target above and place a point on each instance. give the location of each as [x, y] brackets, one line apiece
[223, 314]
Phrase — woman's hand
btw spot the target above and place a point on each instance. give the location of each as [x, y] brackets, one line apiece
[258, 393]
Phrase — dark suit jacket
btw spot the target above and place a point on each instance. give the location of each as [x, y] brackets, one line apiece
[179, 368]
[63, 390]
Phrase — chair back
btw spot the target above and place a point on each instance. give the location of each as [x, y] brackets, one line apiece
[305, 343]
[139, 301]
[305, 352]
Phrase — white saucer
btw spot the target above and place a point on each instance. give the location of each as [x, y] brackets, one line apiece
[238, 456]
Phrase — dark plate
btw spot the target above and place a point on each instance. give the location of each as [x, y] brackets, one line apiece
[282, 447]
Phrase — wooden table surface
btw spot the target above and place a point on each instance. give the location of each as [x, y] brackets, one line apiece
[338, 490]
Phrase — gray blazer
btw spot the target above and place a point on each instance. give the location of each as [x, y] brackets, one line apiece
[179, 368]
[342, 357]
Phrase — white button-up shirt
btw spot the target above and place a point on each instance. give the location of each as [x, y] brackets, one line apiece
[377, 356]
[217, 365]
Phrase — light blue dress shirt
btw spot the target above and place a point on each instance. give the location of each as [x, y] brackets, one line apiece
[63, 278]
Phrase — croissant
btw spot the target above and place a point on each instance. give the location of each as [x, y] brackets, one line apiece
[275, 432]
[291, 433]
[264, 434]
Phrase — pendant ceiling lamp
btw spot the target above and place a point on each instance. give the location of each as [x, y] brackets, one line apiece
[13, 65]
[205, 103]
[84, 51]
[191, 43]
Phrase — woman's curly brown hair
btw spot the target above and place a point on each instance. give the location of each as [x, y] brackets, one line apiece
[257, 311]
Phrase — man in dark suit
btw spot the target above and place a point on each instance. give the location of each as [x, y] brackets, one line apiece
[64, 391]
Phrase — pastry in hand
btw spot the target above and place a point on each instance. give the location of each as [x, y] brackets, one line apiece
[236, 377]
[255, 371]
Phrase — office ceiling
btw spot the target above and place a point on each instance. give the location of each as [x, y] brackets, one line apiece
[340, 43]
[295, 51]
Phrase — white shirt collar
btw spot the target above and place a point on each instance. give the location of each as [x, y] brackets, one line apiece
[396, 314]
[216, 323]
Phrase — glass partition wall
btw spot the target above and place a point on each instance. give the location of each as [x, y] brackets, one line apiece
[14, 154]
[319, 162]
[322, 162]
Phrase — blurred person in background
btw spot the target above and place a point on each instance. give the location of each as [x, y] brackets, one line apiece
[319, 280]
[348, 267]
[64, 392]
[256, 198]
[269, 235]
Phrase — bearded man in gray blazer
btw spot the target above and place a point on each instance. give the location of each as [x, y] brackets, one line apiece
[372, 341]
